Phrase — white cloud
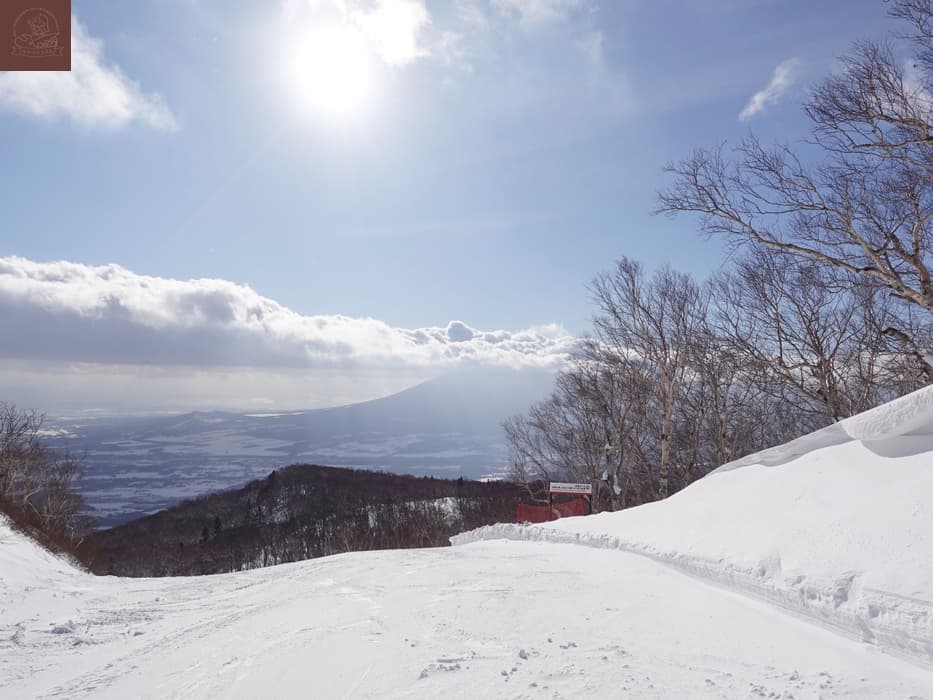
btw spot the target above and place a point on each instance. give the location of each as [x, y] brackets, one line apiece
[92, 94]
[465, 38]
[538, 11]
[394, 27]
[784, 76]
[459, 332]
[592, 48]
[472, 16]
[62, 311]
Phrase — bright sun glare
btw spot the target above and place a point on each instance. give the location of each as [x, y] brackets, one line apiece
[331, 70]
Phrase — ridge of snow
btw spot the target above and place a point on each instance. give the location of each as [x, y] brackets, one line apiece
[907, 415]
[835, 527]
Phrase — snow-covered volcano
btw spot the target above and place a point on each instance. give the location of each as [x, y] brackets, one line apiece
[805, 572]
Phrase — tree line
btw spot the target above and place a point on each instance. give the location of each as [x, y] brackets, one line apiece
[300, 512]
[825, 310]
[295, 513]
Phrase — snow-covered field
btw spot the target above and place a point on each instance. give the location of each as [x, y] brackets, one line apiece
[810, 577]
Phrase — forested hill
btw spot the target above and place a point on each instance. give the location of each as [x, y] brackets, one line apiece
[300, 512]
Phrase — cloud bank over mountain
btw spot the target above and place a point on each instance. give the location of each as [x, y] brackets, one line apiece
[105, 337]
[75, 312]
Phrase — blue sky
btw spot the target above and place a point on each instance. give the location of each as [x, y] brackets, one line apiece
[494, 156]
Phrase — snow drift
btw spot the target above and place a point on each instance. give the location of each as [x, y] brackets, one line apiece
[835, 527]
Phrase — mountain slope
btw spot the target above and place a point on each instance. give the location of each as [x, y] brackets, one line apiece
[297, 513]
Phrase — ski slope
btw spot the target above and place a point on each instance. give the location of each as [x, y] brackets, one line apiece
[685, 598]
[487, 620]
[835, 527]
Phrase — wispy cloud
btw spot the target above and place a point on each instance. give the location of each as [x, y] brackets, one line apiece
[472, 15]
[592, 48]
[92, 94]
[533, 12]
[608, 85]
[784, 76]
[66, 311]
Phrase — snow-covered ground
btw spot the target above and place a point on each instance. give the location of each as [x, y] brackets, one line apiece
[837, 530]
[492, 619]
[836, 527]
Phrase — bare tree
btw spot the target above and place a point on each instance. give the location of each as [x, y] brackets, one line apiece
[646, 328]
[19, 443]
[863, 212]
[57, 504]
[785, 316]
[593, 428]
[560, 437]
[723, 414]
[36, 481]
[680, 377]
[625, 457]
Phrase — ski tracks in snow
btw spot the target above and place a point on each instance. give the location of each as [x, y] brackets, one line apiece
[492, 620]
[900, 625]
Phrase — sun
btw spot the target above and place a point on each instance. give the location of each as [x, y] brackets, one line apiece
[330, 70]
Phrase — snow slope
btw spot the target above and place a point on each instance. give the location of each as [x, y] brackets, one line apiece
[486, 620]
[836, 527]
[836, 530]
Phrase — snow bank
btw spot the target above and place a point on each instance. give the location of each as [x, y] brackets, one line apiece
[27, 571]
[908, 415]
[23, 562]
[836, 527]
